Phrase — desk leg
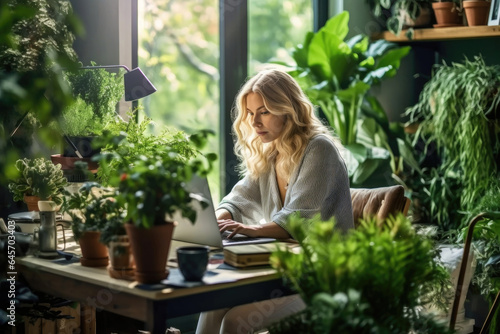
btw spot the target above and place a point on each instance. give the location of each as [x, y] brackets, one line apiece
[156, 320]
[88, 324]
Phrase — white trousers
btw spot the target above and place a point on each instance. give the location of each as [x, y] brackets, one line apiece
[246, 318]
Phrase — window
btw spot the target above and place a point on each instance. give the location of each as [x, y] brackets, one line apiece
[274, 27]
[179, 49]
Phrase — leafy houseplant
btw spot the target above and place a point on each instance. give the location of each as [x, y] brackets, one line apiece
[35, 36]
[97, 92]
[38, 177]
[91, 209]
[152, 187]
[343, 278]
[337, 75]
[457, 111]
[42, 28]
[413, 13]
[125, 142]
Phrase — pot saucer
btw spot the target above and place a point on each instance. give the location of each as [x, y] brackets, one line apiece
[99, 262]
[445, 25]
[48, 255]
[125, 274]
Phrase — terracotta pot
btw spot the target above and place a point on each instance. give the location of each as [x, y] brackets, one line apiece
[31, 202]
[69, 162]
[150, 248]
[477, 12]
[446, 14]
[69, 170]
[121, 261]
[83, 144]
[94, 253]
[424, 19]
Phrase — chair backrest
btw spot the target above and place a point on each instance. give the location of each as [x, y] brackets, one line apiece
[379, 202]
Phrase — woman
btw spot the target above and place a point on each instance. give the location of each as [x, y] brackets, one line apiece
[290, 163]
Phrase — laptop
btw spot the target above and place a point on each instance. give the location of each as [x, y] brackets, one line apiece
[206, 230]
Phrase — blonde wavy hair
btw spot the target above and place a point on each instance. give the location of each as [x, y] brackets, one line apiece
[282, 96]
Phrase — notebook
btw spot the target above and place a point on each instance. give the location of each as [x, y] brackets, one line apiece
[205, 231]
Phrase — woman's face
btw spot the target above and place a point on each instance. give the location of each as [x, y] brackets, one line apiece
[267, 126]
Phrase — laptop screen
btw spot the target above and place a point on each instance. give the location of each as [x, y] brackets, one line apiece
[205, 231]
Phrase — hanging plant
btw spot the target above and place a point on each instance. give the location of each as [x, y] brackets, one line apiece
[457, 110]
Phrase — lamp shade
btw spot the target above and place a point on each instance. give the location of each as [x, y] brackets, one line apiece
[137, 85]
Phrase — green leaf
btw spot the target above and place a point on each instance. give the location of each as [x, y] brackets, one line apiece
[359, 43]
[325, 50]
[365, 170]
[393, 58]
[300, 52]
[338, 25]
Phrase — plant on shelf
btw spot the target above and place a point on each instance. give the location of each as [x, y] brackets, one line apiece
[457, 113]
[342, 278]
[448, 13]
[38, 178]
[404, 13]
[476, 12]
[337, 75]
[151, 184]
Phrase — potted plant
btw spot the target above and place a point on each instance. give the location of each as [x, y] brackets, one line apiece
[448, 13]
[151, 186]
[121, 260]
[457, 113]
[343, 278]
[122, 143]
[337, 76]
[405, 13]
[114, 236]
[90, 209]
[96, 93]
[34, 41]
[476, 12]
[38, 180]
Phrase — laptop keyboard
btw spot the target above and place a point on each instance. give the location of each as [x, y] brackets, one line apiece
[236, 238]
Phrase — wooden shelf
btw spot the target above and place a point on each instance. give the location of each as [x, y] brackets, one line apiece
[441, 34]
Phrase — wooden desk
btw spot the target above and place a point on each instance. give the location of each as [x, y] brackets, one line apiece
[151, 304]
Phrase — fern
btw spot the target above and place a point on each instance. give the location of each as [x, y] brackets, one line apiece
[383, 271]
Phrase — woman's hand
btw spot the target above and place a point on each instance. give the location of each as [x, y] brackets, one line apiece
[234, 227]
[269, 230]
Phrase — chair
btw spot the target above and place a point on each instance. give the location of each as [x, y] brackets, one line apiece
[463, 268]
[379, 202]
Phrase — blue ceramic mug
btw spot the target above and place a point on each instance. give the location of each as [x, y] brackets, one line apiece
[193, 261]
